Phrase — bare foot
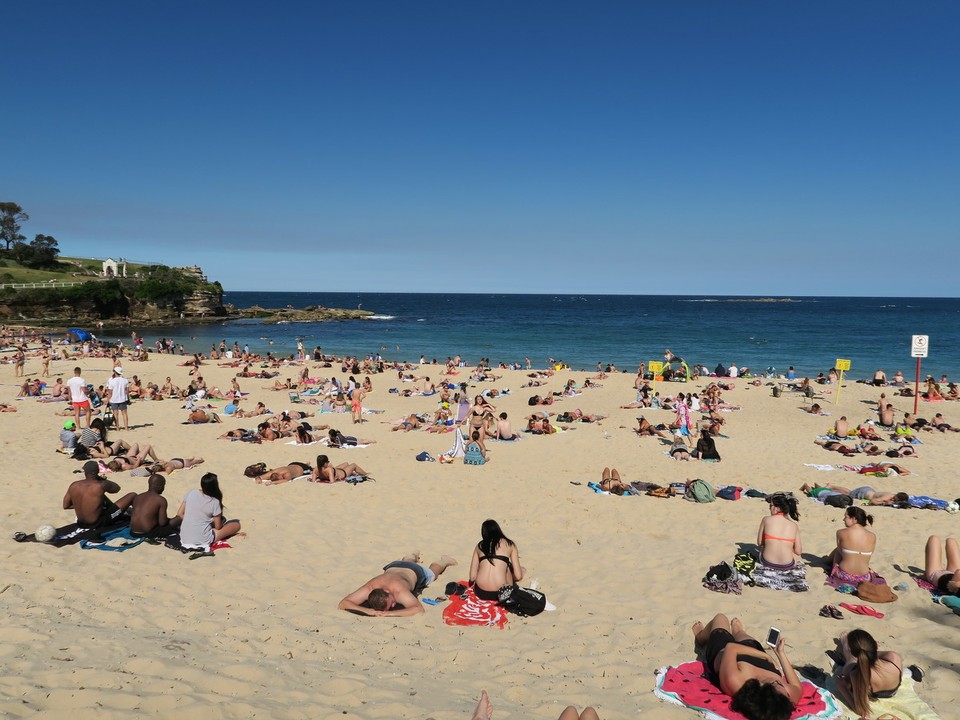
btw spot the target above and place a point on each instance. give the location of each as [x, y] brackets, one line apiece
[484, 710]
[736, 626]
[412, 557]
[449, 561]
[697, 628]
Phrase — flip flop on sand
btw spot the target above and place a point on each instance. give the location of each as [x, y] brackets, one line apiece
[831, 611]
[862, 610]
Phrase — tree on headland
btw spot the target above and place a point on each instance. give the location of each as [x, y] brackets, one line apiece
[11, 215]
[42, 252]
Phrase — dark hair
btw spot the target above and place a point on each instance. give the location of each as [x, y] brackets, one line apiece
[377, 599]
[864, 648]
[490, 537]
[860, 515]
[475, 435]
[503, 416]
[210, 486]
[156, 483]
[901, 497]
[100, 426]
[321, 461]
[761, 702]
[787, 504]
[303, 435]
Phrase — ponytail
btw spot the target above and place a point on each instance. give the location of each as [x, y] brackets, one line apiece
[863, 648]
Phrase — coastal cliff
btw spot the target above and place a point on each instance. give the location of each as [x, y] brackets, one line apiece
[152, 295]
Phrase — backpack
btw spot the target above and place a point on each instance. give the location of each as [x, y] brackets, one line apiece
[699, 491]
[838, 501]
[522, 601]
[777, 391]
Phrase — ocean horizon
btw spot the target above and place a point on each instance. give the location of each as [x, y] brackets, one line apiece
[807, 332]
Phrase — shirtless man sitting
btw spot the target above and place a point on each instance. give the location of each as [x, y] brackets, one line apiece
[148, 517]
[842, 427]
[88, 498]
[885, 411]
[394, 592]
[504, 431]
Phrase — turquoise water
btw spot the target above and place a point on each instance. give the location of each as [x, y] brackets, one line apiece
[809, 333]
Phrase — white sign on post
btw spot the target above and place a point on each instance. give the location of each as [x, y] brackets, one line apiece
[919, 346]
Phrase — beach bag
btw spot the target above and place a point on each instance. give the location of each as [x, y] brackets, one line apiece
[255, 470]
[777, 391]
[838, 501]
[699, 491]
[473, 456]
[522, 601]
[875, 593]
[730, 492]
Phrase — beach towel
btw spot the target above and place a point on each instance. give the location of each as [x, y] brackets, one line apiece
[115, 540]
[459, 447]
[793, 579]
[686, 685]
[72, 534]
[905, 705]
[468, 609]
[817, 466]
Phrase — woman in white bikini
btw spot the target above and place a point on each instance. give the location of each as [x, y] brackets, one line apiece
[855, 546]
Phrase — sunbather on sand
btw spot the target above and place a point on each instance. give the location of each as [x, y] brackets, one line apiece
[326, 472]
[168, 466]
[280, 475]
[874, 497]
[645, 429]
[610, 482]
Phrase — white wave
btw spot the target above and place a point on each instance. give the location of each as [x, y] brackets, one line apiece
[382, 317]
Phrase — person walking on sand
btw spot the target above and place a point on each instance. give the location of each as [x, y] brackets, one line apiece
[118, 398]
[356, 405]
[78, 397]
[393, 593]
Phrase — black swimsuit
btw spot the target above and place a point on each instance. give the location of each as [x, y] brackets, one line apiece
[492, 595]
[884, 694]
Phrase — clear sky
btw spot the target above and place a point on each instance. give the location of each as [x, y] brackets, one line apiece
[596, 147]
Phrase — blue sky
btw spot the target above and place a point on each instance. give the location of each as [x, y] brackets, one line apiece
[613, 147]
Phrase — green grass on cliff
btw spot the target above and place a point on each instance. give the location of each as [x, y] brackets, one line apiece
[70, 270]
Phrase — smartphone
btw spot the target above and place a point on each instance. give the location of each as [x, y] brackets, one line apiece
[773, 637]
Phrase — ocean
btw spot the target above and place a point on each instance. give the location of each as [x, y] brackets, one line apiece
[809, 333]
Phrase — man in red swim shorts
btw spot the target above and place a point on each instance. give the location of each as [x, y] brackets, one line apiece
[78, 397]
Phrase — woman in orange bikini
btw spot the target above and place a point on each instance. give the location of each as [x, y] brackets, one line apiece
[779, 534]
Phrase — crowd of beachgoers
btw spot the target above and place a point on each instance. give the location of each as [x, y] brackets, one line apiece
[108, 433]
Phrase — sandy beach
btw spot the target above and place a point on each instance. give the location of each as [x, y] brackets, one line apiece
[255, 630]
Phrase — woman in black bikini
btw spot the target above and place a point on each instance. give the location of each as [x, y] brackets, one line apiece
[476, 417]
[743, 671]
[327, 473]
[868, 673]
[135, 456]
[495, 562]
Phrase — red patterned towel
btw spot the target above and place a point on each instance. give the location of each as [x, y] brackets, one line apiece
[469, 610]
[687, 685]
